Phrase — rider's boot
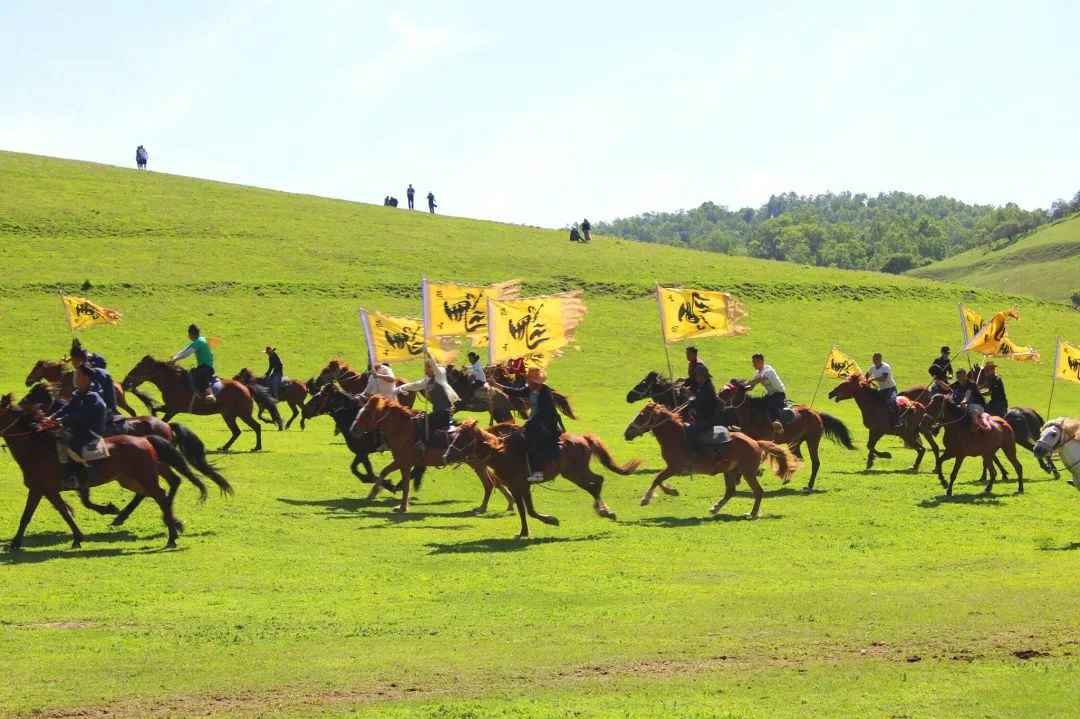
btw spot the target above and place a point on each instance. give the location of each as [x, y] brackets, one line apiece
[778, 426]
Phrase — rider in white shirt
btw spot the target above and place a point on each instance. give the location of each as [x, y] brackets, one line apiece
[775, 392]
[881, 373]
[381, 381]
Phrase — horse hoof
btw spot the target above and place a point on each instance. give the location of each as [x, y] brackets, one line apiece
[170, 545]
[480, 510]
[521, 535]
[807, 489]
[645, 501]
[11, 547]
[179, 527]
[750, 515]
[399, 508]
[714, 509]
[76, 544]
[913, 470]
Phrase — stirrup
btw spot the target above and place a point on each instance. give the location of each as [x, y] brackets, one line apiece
[536, 478]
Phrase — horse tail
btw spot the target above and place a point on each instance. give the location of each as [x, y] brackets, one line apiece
[194, 452]
[562, 402]
[265, 401]
[598, 448]
[147, 400]
[171, 456]
[781, 460]
[836, 430]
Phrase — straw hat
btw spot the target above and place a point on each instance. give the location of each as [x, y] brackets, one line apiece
[536, 375]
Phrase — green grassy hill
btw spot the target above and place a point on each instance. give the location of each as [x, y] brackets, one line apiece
[1045, 264]
[870, 597]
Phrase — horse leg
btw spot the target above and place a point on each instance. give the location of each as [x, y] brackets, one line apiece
[519, 500]
[988, 466]
[920, 451]
[65, 512]
[166, 513]
[32, 499]
[871, 442]
[729, 490]
[295, 414]
[592, 483]
[167, 417]
[929, 437]
[545, 518]
[657, 482]
[127, 510]
[353, 467]
[84, 497]
[755, 487]
[488, 487]
[940, 463]
[1001, 468]
[230, 422]
[256, 429]
[406, 485]
[122, 403]
[955, 471]
[815, 461]
[1010, 454]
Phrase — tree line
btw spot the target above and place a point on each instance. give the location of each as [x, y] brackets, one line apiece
[891, 232]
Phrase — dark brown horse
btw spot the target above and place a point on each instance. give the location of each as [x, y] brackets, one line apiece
[479, 399]
[233, 402]
[63, 381]
[809, 425]
[961, 441]
[878, 421]
[740, 457]
[657, 388]
[506, 458]
[501, 375]
[134, 462]
[353, 382]
[398, 425]
[292, 392]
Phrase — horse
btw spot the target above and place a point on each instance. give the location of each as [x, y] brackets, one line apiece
[234, 401]
[878, 421]
[292, 391]
[740, 457]
[260, 394]
[961, 441]
[63, 381]
[657, 388]
[808, 427]
[398, 425]
[477, 398]
[1027, 426]
[1062, 436]
[176, 434]
[134, 462]
[499, 374]
[506, 458]
[353, 382]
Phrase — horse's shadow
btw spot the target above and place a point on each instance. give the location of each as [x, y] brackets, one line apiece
[473, 546]
[46, 546]
[354, 505]
[1064, 548]
[673, 522]
[979, 498]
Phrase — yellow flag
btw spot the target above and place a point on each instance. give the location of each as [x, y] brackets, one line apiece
[993, 340]
[534, 328]
[1067, 361]
[84, 313]
[698, 313]
[839, 365]
[970, 323]
[400, 339]
[461, 310]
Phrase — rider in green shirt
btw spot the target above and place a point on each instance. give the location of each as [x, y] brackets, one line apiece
[203, 374]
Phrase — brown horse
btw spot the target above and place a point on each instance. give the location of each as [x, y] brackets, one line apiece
[63, 381]
[878, 422]
[506, 459]
[809, 425]
[479, 399]
[962, 441]
[398, 425]
[233, 402]
[501, 375]
[740, 457]
[353, 382]
[134, 462]
[293, 392]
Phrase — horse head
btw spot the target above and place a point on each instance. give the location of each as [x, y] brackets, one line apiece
[733, 392]
[44, 370]
[372, 412]
[848, 388]
[467, 441]
[40, 395]
[244, 376]
[651, 416]
[140, 373]
[644, 388]
[1055, 434]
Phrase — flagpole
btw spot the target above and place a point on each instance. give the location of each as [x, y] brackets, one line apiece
[663, 336]
[66, 316]
[1053, 378]
[820, 380]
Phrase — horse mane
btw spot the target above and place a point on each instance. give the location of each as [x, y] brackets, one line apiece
[378, 403]
[489, 440]
[665, 413]
[165, 364]
[1069, 426]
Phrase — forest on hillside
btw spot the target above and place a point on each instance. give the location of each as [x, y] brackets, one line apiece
[891, 232]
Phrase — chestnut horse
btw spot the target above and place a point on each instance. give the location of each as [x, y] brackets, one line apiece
[506, 458]
[353, 382]
[491, 400]
[740, 457]
[500, 375]
[293, 393]
[233, 402]
[962, 441]
[134, 462]
[878, 422]
[63, 381]
[398, 425]
[809, 425]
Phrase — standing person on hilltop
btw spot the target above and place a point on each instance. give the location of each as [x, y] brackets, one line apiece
[585, 228]
[431, 202]
[141, 157]
[410, 193]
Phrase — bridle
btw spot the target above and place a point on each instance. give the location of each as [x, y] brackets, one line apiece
[735, 388]
[664, 419]
[1061, 442]
[464, 450]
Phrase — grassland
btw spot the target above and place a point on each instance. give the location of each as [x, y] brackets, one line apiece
[871, 597]
[1044, 264]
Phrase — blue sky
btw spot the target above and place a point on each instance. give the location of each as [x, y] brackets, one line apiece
[543, 113]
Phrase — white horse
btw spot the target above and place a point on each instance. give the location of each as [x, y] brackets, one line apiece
[1061, 435]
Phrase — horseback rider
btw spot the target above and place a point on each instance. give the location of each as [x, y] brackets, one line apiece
[881, 373]
[775, 392]
[100, 381]
[692, 364]
[440, 394]
[965, 395]
[93, 358]
[275, 371]
[475, 373]
[381, 381]
[201, 377]
[544, 425]
[83, 419]
[702, 408]
[997, 403]
[942, 372]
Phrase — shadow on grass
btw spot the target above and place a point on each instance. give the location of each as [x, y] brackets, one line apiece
[980, 498]
[1064, 548]
[353, 505]
[511, 544]
[57, 545]
[675, 522]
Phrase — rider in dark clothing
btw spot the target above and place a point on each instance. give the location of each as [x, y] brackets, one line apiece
[586, 228]
[100, 381]
[442, 397]
[701, 411]
[997, 403]
[274, 372]
[84, 418]
[692, 363]
[93, 358]
[544, 425]
[942, 372]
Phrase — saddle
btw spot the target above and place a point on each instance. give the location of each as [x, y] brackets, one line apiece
[787, 414]
[94, 450]
[436, 439]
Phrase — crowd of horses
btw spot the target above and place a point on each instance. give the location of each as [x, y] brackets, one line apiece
[150, 448]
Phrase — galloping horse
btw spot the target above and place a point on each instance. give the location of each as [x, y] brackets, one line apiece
[490, 399]
[63, 381]
[506, 459]
[176, 434]
[234, 401]
[1062, 436]
[657, 388]
[961, 441]
[740, 457]
[293, 392]
[878, 421]
[398, 425]
[353, 382]
[809, 425]
[134, 462]
[500, 375]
